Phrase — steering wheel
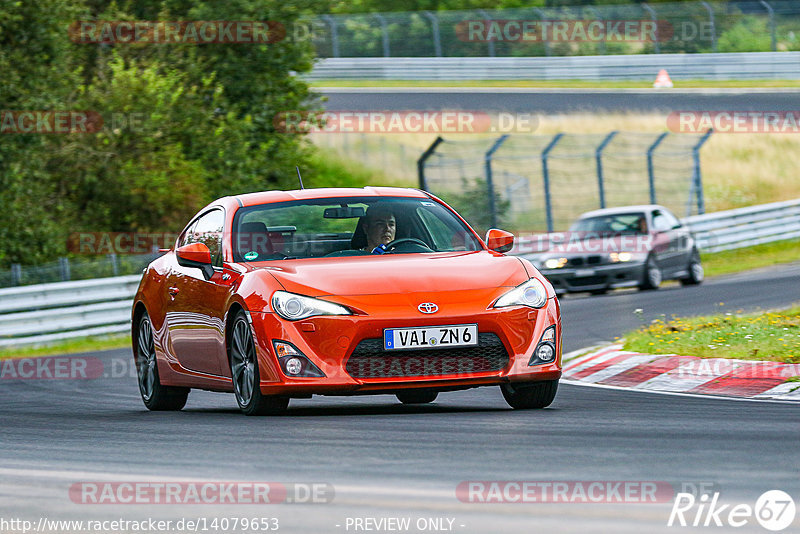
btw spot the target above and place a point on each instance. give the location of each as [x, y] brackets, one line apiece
[392, 245]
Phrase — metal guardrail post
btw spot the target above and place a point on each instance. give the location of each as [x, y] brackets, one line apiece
[698, 180]
[16, 274]
[650, 172]
[488, 19]
[63, 264]
[713, 25]
[598, 156]
[542, 16]
[384, 33]
[423, 183]
[546, 179]
[334, 34]
[437, 39]
[489, 177]
[656, 44]
[112, 258]
[771, 13]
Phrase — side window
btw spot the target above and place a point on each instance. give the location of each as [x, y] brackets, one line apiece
[671, 219]
[208, 230]
[440, 233]
[660, 222]
[187, 235]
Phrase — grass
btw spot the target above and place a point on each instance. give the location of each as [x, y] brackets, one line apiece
[72, 346]
[744, 259]
[554, 84]
[770, 336]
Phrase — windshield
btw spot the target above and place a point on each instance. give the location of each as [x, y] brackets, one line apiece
[619, 223]
[347, 226]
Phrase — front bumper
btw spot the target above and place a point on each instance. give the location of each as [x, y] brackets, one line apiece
[595, 278]
[348, 350]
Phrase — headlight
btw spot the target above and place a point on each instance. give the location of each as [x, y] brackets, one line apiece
[555, 263]
[531, 293]
[294, 307]
[617, 257]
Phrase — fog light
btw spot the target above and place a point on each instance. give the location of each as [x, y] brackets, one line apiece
[294, 366]
[545, 352]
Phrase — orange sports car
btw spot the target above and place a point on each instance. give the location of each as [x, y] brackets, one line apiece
[377, 290]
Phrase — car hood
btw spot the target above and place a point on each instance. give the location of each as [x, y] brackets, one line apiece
[401, 273]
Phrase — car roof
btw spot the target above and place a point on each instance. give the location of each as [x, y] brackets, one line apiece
[622, 209]
[265, 197]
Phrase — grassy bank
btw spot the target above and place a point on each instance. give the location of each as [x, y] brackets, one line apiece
[72, 346]
[744, 259]
[770, 336]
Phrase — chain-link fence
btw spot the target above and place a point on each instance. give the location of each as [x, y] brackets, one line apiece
[543, 182]
[65, 269]
[681, 27]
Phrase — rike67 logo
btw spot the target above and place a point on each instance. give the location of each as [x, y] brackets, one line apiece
[774, 510]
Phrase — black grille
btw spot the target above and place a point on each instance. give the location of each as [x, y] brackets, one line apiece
[587, 281]
[370, 360]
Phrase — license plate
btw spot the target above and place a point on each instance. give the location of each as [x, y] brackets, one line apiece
[461, 335]
[584, 272]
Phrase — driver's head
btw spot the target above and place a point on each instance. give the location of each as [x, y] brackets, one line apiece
[379, 225]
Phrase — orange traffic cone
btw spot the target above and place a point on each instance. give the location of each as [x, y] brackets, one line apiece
[662, 80]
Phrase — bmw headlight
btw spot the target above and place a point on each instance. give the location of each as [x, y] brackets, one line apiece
[531, 293]
[617, 257]
[294, 307]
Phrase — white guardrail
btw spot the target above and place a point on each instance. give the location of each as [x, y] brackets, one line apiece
[40, 314]
[728, 66]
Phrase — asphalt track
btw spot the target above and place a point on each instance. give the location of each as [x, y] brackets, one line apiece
[388, 460]
[554, 101]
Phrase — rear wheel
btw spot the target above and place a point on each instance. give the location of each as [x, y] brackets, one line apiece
[155, 396]
[531, 395]
[244, 373]
[417, 397]
[695, 269]
[652, 275]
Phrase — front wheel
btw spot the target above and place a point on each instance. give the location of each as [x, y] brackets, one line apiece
[155, 396]
[532, 395]
[417, 397]
[244, 373]
[652, 275]
[696, 272]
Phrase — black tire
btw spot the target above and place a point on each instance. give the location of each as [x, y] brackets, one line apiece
[244, 372]
[531, 395]
[417, 397]
[695, 269]
[652, 277]
[599, 291]
[155, 396]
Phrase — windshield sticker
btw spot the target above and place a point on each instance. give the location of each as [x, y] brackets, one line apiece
[250, 256]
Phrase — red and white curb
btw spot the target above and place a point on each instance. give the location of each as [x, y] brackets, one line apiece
[612, 366]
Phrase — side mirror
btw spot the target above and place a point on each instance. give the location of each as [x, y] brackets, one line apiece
[196, 255]
[499, 240]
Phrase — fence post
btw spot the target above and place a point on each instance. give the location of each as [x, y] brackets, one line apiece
[487, 19]
[112, 258]
[598, 156]
[63, 263]
[16, 274]
[656, 44]
[650, 172]
[771, 13]
[437, 40]
[423, 184]
[334, 34]
[384, 33]
[713, 25]
[546, 178]
[698, 179]
[489, 178]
